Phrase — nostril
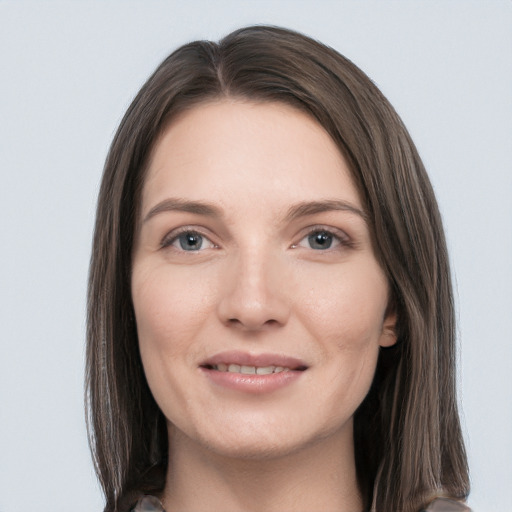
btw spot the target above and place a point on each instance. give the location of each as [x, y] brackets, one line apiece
[252, 324]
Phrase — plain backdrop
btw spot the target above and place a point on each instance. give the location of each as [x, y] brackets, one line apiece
[68, 71]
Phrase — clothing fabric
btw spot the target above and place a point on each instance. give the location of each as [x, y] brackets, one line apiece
[447, 505]
[148, 504]
[152, 504]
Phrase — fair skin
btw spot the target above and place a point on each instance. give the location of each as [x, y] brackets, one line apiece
[253, 254]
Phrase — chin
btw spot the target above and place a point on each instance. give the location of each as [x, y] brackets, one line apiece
[252, 440]
[249, 448]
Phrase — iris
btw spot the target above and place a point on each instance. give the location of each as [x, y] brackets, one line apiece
[320, 240]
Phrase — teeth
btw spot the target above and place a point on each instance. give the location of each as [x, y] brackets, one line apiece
[250, 370]
[265, 370]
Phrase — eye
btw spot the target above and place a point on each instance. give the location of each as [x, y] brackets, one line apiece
[188, 240]
[322, 239]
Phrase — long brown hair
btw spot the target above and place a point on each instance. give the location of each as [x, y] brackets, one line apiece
[408, 441]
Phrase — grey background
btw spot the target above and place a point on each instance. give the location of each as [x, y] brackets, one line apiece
[69, 70]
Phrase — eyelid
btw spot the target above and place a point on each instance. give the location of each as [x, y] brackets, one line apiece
[340, 235]
[173, 235]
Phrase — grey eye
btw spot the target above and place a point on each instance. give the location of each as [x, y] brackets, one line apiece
[190, 241]
[320, 240]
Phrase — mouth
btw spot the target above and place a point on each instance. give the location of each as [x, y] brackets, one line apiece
[251, 370]
[252, 373]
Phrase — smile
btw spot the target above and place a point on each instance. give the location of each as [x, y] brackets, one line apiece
[251, 373]
[252, 370]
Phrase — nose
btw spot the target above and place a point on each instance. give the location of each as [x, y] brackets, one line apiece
[253, 292]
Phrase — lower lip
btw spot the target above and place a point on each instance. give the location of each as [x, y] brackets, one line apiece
[252, 383]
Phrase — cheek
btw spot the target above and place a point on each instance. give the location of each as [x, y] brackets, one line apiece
[167, 307]
[170, 309]
[345, 313]
[347, 310]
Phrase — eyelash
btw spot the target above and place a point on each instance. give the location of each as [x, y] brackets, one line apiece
[339, 236]
[173, 237]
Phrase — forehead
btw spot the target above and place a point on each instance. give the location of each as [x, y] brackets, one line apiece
[228, 148]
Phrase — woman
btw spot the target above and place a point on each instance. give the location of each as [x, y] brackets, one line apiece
[270, 317]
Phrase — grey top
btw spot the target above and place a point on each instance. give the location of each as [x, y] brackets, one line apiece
[447, 505]
[148, 504]
[151, 504]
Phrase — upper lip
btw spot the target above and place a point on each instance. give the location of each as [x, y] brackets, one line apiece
[258, 360]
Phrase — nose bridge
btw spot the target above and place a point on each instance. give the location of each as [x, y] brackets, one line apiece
[254, 264]
[254, 296]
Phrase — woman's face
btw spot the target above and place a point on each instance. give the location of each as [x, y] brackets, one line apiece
[259, 303]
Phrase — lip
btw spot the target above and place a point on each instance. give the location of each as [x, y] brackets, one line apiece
[249, 359]
[253, 383]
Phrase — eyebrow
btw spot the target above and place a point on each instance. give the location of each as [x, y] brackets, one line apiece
[296, 211]
[183, 205]
[313, 207]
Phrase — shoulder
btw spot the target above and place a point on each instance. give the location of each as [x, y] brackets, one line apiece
[447, 505]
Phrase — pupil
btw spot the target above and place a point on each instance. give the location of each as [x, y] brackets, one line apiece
[190, 241]
[320, 240]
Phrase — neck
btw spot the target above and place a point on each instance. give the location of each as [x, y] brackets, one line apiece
[320, 476]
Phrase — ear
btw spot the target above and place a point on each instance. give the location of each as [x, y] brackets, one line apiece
[388, 336]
